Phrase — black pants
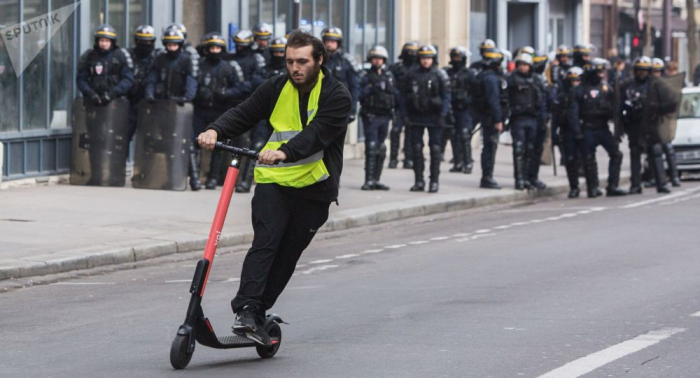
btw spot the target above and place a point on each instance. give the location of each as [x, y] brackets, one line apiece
[283, 226]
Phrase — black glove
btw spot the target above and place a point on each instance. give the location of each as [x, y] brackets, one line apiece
[441, 121]
[180, 101]
[150, 98]
[95, 98]
[352, 117]
[107, 97]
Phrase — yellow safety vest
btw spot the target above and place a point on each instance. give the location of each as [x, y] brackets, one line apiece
[286, 124]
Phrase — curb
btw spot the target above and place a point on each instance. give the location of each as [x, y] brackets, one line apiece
[344, 220]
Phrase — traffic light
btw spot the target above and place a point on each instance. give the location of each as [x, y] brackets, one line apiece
[636, 41]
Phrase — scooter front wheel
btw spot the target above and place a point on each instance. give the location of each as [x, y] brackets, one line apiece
[275, 332]
[179, 357]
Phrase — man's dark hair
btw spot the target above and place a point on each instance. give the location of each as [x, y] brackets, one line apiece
[300, 38]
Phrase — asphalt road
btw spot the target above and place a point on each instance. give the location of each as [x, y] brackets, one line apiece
[559, 288]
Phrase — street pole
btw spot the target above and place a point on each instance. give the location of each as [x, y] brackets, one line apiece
[648, 20]
[296, 11]
[692, 37]
[667, 28]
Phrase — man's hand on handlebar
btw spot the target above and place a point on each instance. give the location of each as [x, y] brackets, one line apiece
[207, 139]
[270, 157]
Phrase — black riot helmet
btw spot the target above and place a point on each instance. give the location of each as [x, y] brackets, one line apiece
[144, 33]
[214, 39]
[278, 45]
[458, 56]
[332, 34]
[106, 31]
[243, 39]
[657, 65]
[582, 54]
[486, 45]
[177, 26]
[491, 57]
[642, 63]
[262, 31]
[428, 51]
[409, 51]
[173, 36]
[539, 62]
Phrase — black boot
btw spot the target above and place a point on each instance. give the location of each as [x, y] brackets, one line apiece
[614, 167]
[672, 167]
[591, 169]
[214, 168]
[435, 155]
[370, 164]
[533, 167]
[572, 165]
[635, 170]
[418, 168]
[394, 143]
[488, 162]
[457, 152]
[466, 145]
[519, 165]
[408, 148]
[658, 168]
[195, 183]
[381, 155]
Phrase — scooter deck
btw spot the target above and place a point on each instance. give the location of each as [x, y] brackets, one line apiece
[206, 336]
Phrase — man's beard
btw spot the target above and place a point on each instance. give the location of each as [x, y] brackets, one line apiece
[309, 80]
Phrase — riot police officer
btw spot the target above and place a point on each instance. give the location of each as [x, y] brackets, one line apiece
[219, 84]
[526, 100]
[539, 63]
[582, 56]
[174, 77]
[569, 135]
[105, 71]
[342, 65]
[461, 80]
[262, 34]
[276, 65]
[143, 53]
[485, 46]
[407, 60]
[427, 105]
[562, 64]
[592, 108]
[490, 107]
[378, 99]
[253, 66]
[657, 70]
[633, 92]
[187, 49]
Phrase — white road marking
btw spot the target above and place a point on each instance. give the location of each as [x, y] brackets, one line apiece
[484, 231]
[318, 269]
[568, 215]
[301, 265]
[537, 221]
[418, 242]
[348, 256]
[505, 227]
[320, 261]
[233, 279]
[682, 199]
[372, 251]
[438, 238]
[584, 212]
[593, 361]
[696, 315]
[461, 235]
[86, 283]
[395, 246]
[514, 224]
[660, 199]
[482, 236]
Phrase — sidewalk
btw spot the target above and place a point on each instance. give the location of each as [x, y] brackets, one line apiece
[59, 228]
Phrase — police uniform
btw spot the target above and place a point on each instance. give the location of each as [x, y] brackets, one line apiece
[633, 92]
[378, 98]
[400, 71]
[219, 85]
[427, 105]
[461, 80]
[105, 75]
[143, 54]
[343, 67]
[526, 101]
[490, 102]
[592, 108]
[569, 136]
[539, 63]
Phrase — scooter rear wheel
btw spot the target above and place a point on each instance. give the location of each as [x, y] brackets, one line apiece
[275, 332]
[179, 357]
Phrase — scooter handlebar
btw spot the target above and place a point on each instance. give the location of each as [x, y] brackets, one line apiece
[236, 150]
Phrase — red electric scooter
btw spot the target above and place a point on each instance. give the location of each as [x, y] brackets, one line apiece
[197, 327]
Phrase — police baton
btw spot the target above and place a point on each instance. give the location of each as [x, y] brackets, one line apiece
[554, 160]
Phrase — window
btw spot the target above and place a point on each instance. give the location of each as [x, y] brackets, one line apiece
[61, 73]
[478, 24]
[34, 80]
[9, 106]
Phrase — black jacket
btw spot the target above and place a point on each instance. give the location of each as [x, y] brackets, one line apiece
[326, 132]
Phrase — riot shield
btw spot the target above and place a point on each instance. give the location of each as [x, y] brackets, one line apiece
[100, 145]
[162, 145]
[661, 107]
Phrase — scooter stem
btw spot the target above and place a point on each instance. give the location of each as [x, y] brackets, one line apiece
[220, 217]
